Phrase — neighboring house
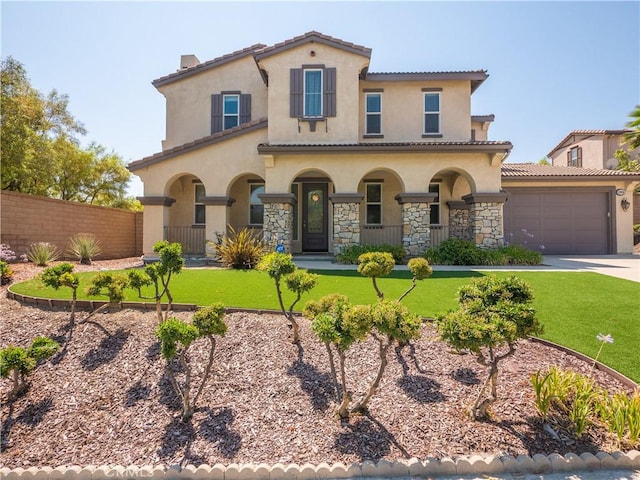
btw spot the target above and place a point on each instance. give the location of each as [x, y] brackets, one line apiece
[589, 149]
[300, 141]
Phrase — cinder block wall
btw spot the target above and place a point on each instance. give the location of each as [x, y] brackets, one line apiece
[26, 219]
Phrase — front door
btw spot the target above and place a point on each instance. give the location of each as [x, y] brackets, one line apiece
[315, 222]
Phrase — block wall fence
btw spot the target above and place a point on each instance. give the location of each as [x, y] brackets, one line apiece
[26, 219]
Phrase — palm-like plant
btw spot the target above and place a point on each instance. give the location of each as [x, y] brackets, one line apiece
[633, 137]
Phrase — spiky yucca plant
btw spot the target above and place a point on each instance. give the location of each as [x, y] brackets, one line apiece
[240, 250]
[85, 247]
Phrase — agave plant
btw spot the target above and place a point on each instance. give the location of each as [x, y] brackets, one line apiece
[239, 250]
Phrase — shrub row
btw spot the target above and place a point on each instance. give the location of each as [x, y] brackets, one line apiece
[454, 251]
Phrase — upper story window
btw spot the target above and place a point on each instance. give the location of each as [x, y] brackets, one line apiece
[373, 202]
[312, 92]
[574, 157]
[435, 205]
[431, 113]
[373, 114]
[199, 217]
[256, 208]
[229, 109]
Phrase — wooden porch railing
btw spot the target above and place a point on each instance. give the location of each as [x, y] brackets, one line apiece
[379, 234]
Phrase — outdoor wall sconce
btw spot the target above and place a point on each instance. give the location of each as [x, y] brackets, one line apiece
[624, 203]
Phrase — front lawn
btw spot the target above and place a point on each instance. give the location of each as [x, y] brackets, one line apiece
[573, 306]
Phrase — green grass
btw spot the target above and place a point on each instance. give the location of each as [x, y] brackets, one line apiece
[573, 306]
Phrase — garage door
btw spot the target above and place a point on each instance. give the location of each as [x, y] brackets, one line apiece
[558, 222]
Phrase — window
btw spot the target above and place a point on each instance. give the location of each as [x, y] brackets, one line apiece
[373, 107]
[199, 210]
[313, 93]
[435, 205]
[256, 208]
[373, 202]
[431, 112]
[231, 111]
[574, 157]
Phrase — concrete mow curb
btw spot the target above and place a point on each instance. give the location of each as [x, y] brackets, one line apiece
[466, 465]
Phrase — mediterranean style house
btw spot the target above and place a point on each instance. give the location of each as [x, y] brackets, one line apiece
[301, 142]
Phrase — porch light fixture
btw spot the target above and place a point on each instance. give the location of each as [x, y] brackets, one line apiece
[315, 197]
[624, 203]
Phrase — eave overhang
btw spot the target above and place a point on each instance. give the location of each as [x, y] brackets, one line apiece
[426, 147]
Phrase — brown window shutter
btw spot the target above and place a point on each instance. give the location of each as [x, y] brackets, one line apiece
[329, 94]
[579, 157]
[569, 158]
[216, 113]
[295, 105]
[245, 108]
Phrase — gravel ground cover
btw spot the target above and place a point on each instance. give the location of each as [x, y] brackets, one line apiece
[105, 398]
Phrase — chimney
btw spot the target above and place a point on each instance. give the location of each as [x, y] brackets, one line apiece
[187, 61]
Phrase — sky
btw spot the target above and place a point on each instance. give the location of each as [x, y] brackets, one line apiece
[553, 66]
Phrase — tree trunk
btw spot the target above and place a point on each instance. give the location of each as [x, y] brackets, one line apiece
[383, 349]
[187, 407]
[480, 410]
[378, 291]
[343, 409]
[207, 371]
[72, 314]
[334, 376]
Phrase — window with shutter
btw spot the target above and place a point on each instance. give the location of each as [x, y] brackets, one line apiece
[312, 92]
[216, 113]
[229, 110]
[574, 157]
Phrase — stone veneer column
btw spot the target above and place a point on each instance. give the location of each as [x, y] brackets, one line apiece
[154, 220]
[278, 219]
[416, 232]
[485, 218]
[346, 220]
[459, 226]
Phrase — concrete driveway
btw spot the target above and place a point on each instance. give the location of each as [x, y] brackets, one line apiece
[621, 266]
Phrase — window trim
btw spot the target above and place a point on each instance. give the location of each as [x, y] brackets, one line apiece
[367, 203]
[304, 92]
[367, 114]
[425, 112]
[251, 188]
[198, 204]
[437, 203]
[224, 112]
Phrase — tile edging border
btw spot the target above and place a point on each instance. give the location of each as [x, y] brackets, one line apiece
[403, 468]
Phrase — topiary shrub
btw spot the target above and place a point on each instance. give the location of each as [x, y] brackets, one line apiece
[18, 363]
[492, 313]
[6, 273]
[62, 276]
[176, 337]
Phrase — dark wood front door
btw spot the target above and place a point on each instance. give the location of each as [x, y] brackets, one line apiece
[315, 223]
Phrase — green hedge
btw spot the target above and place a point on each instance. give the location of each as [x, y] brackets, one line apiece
[454, 251]
[351, 253]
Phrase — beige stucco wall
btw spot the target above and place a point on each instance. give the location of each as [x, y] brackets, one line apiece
[183, 190]
[403, 110]
[415, 169]
[339, 129]
[598, 151]
[622, 221]
[188, 101]
[482, 130]
[391, 186]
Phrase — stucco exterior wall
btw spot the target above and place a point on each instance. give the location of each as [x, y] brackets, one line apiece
[188, 101]
[182, 212]
[403, 110]
[339, 129]
[391, 186]
[622, 222]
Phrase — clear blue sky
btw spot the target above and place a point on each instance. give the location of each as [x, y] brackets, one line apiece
[554, 66]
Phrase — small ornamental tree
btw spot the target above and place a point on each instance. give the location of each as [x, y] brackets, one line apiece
[176, 337]
[375, 265]
[280, 266]
[18, 363]
[111, 285]
[62, 276]
[339, 325]
[420, 269]
[493, 313]
[159, 275]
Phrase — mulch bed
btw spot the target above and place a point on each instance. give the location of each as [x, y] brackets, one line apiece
[105, 398]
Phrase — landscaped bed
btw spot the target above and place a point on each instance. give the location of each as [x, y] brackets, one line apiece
[106, 399]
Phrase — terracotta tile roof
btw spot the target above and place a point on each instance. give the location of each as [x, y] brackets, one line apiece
[197, 144]
[585, 133]
[316, 37]
[483, 118]
[533, 170]
[483, 146]
[475, 76]
[216, 62]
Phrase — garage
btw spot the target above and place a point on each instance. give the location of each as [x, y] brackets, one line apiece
[559, 221]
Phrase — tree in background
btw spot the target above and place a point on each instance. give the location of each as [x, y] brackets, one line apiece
[41, 153]
[633, 137]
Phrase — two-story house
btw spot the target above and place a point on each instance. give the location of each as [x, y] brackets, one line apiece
[590, 149]
[301, 141]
